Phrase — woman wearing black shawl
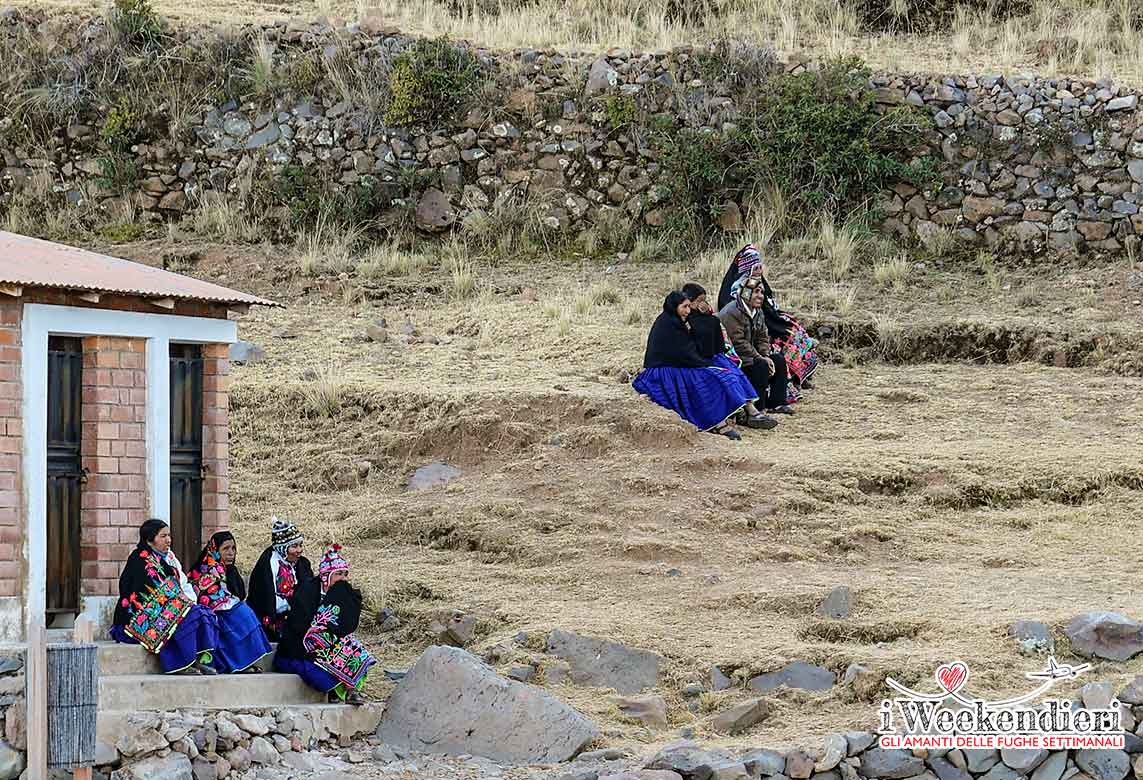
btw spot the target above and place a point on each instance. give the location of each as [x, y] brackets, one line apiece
[242, 643]
[714, 344]
[157, 608]
[318, 642]
[787, 336]
[675, 375]
[279, 570]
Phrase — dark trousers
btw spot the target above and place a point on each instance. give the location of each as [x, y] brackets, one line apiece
[771, 389]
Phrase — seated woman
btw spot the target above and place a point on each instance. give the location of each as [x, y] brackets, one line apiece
[746, 327]
[787, 336]
[157, 607]
[279, 570]
[677, 377]
[241, 641]
[714, 345]
[318, 643]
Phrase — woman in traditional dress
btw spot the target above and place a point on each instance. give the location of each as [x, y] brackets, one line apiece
[277, 574]
[677, 377]
[714, 344]
[318, 643]
[242, 643]
[157, 607]
[746, 329]
[787, 336]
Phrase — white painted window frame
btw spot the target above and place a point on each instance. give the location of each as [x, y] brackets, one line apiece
[159, 330]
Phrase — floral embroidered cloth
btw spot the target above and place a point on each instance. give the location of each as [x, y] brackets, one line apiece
[343, 657]
[156, 613]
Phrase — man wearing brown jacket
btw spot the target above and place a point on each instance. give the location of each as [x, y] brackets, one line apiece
[746, 327]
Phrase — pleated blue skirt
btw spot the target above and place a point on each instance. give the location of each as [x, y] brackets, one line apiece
[196, 634]
[703, 397]
[241, 641]
[312, 675]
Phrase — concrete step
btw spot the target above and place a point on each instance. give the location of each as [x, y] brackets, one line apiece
[119, 659]
[231, 691]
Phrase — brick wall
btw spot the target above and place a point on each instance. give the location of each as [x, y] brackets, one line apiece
[11, 446]
[114, 452]
[215, 438]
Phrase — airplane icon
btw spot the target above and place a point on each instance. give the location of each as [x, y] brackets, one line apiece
[1057, 671]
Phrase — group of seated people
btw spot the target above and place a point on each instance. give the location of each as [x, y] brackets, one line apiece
[205, 621]
[716, 369]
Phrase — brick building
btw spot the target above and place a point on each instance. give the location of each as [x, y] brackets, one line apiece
[113, 409]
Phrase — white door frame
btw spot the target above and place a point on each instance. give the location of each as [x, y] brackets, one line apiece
[42, 320]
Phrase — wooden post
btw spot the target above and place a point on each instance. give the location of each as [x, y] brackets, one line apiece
[36, 691]
[82, 634]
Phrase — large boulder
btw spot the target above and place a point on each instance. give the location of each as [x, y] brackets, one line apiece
[452, 703]
[1103, 764]
[605, 664]
[741, 717]
[891, 764]
[176, 766]
[11, 762]
[1107, 635]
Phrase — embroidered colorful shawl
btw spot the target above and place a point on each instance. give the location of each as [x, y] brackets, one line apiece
[209, 579]
[156, 614]
[343, 657]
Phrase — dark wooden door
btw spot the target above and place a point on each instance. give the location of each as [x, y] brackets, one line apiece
[65, 473]
[186, 451]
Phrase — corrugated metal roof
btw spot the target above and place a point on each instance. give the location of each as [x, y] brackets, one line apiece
[31, 262]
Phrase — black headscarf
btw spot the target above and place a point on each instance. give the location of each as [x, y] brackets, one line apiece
[235, 585]
[705, 328]
[144, 568]
[304, 606]
[670, 343]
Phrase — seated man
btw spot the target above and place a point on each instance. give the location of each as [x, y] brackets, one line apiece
[746, 327]
[280, 570]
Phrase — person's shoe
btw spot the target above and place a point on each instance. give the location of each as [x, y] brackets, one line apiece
[807, 385]
[783, 409]
[732, 434]
[762, 422]
[204, 669]
[354, 698]
[190, 671]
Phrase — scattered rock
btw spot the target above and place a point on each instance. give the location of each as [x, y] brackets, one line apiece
[11, 762]
[246, 353]
[433, 475]
[176, 766]
[1133, 692]
[140, 742]
[730, 218]
[1032, 636]
[651, 711]
[1052, 768]
[16, 724]
[799, 766]
[889, 764]
[1107, 635]
[837, 604]
[452, 703]
[764, 762]
[434, 212]
[1097, 696]
[1023, 760]
[262, 751]
[453, 627]
[377, 333]
[694, 763]
[858, 742]
[1103, 764]
[981, 760]
[834, 749]
[522, 673]
[605, 664]
[253, 725]
[796, 674]
[719, 681]
[740, 717]
[600, 77]
[946, 770]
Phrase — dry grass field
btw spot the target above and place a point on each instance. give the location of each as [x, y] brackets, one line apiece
[1088, 38]
[950, 497]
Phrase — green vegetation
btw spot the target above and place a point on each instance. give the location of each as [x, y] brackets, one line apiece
[136, 22]
[431, 82]
[818, 137]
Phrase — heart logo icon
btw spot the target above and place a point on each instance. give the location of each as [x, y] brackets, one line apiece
[952, 676]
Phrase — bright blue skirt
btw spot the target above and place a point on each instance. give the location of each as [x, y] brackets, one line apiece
[241, 641]
[702, 396]
[196, 634]
[312, 675]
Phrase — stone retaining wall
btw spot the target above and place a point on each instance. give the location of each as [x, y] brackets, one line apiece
[1026, 163]
[14, 712]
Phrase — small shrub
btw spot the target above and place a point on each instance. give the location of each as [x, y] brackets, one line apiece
[326, 248]
[219, 217]
[463, 279]
[117, 173]
[122, 232]
[364, 79]
[136, 22]
[123, 126]
[262, 75]
[649, 248]
[431, 81]
[325, 395]
[390, 260]
[620, 110]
